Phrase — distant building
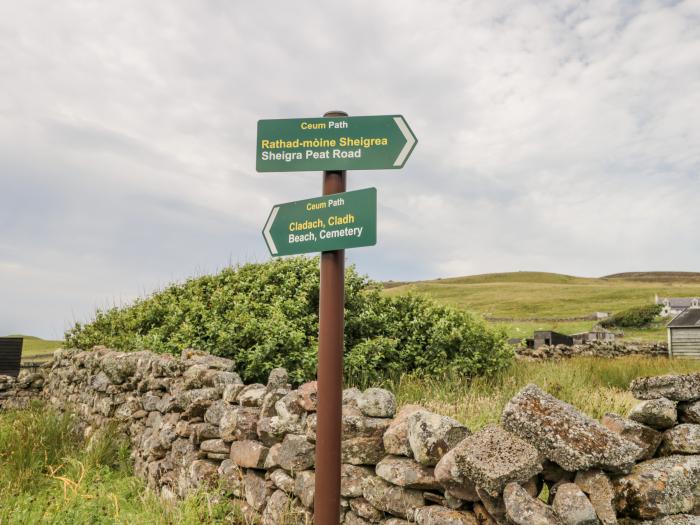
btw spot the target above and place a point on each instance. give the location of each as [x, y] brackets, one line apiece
[675, 305]
[603, 336]
[601, 315]
[550, 338]
[684, 334]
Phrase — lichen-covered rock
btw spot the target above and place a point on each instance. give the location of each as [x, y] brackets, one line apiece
[681, 439]
[277, 379]
[659, 487]
[239, 423]
[673, 387]
[596, 484]
[362, 450]
[573, 507]
[646, 438]
[689, 412]
[406, 472]
[296, 453]
[449, 475]
[390, 498]
[231, 392]
[493, 457]
[396, 435]
[523, 509]
[282, 480]
[439, 515]
[432, 435]
[377, 402]
[257, 489]
[657, 413]
[351, 478]
[282, 509]
[362, 426]
[304, 485]
[249, 454]
[231, 478]
[203, 472]
[678, 519]
[565, 435]
[252, 395]
[353, 519]
[215, 446]
[308, 396]
[362, 508]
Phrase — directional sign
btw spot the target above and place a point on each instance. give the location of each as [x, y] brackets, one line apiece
[331, 222]
[334, 143]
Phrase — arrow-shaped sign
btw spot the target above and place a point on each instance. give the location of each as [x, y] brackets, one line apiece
[331, 222]
[334, 143]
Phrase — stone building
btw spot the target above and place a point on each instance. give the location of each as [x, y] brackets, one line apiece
[675, 305]
[684, 334]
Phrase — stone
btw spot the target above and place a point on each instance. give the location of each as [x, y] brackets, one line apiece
[493, 457]
[643, 436]
[362, 450]
[523, 509]
[377, 402]
[432, 435]
[495, 507]
[282, 480]
[596, 484]
[215, 446]
[351, 396]
[673, 387]
[308, 396]
[689, 412]
[231, 478]
[657, 413]
[396, 435]
[277, 379]
[249, 454]
[353, 519]
[289, 408]
[252, 395]
[564, 435]
[573, 507]
[681, 439]
[453, 479]
[482, 515]
[363, 426]
[257, 490]
[215, 412]
[203, 473]
[304, 484]
[362, 508]
[231, 392]
[406, 472]
[190, 357]
[658, 487]
[268, 408]
[439, 515]
[277, 509]
[351, 478]
[239, 423]
[678, 519]
[296, 453]
[553, 473]
[272, 459]
[388, 498]
[202, 431]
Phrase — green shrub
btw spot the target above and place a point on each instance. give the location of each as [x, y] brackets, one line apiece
[637, 317]
[266, 315]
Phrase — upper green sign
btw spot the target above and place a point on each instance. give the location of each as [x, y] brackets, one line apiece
[331, 222]
[334, 143]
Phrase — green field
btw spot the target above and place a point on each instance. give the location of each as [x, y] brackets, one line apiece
[548, 296]
[35, 346]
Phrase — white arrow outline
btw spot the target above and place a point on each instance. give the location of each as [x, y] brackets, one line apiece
[410, 141]
[268, 227]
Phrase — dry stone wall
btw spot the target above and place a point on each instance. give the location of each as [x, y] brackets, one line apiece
[193, 423]
[593, 349]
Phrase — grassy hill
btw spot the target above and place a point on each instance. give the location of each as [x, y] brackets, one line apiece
[528, 295]
[34, 346]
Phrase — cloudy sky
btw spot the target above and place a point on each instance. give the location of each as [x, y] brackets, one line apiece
[554, 135]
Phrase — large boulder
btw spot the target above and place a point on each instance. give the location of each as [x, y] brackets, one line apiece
[377, 402]
[643, 436]
[396, 435]
[657, 413]
[523, 509]
[406, 472]
[493, 457]
[673, 387]
[565, 435]
[432, 435]
[659, 487]
[681, 439]
[573, 507]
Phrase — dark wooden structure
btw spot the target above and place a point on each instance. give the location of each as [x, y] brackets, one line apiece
[10, 355]
[550, 338]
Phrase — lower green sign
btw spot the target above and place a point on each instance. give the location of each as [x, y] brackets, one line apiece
[331, 222]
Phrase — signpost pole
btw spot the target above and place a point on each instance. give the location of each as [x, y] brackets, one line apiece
[330, 370]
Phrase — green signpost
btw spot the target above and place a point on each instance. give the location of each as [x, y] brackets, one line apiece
[331, 222]
[334, 143]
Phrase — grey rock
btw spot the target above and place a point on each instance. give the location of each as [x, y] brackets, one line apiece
[689, 412]
[452, 478]
[216, 446]
[248, 454]
[252, 395]
[231, 478]
[406, 472]
[681, 439]
[439, 515]
[390, 498]
[573, 507]
[377, 402]
[239, 423]
[396, 435]
[304, 485]
[678, 519]
[600, 493]
[643, 436]
[296, 453]
[277, 379]
[257, 490]
[657, 413]
[673, 387]
[564, 435]
[432, 435]
[351, 479]
[523, 509]
[362, 508]
[282, 480]
[308, 396]
[362, 450]
[231, 392]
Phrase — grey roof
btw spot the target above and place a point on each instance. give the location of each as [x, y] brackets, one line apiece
[687, 318]
[677, 302]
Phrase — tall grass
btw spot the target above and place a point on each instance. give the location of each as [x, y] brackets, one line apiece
[593, 385]
[48, 475]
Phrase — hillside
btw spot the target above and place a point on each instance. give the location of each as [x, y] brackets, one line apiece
[34, 346]
[522, 296]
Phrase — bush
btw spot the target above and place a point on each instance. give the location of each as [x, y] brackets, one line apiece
[266, 315]
[638, 317]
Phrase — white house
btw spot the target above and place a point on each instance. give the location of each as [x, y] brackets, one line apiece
[675, 305]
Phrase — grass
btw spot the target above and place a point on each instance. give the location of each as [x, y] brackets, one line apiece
[528, 295]
[48, 475]
[593, 385]
[35, 346]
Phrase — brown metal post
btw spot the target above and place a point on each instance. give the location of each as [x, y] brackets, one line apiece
[330, 370]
